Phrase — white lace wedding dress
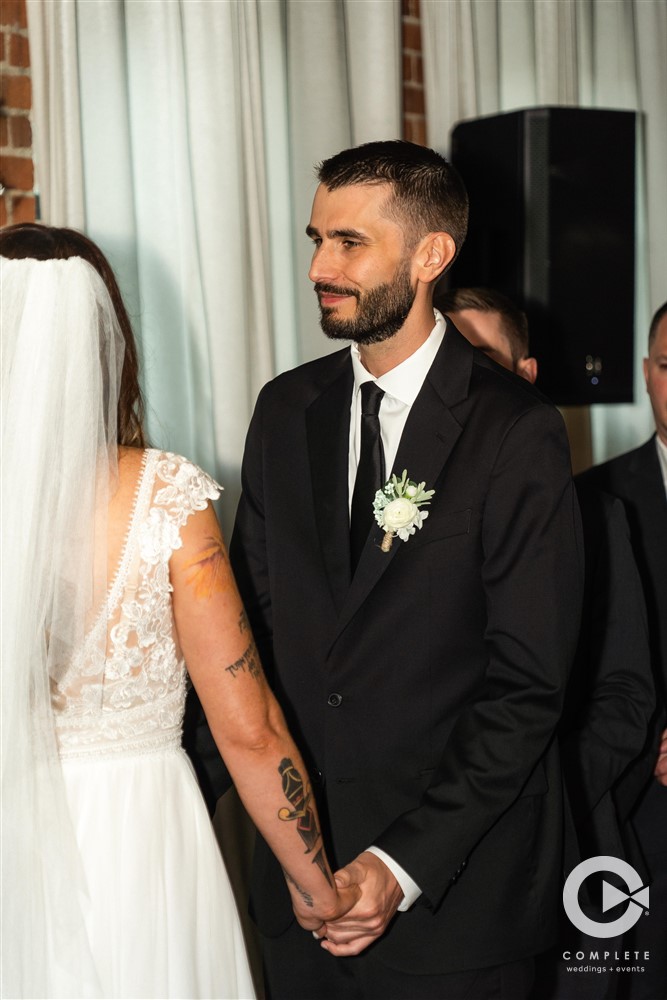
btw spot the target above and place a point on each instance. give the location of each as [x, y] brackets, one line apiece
[159, 912]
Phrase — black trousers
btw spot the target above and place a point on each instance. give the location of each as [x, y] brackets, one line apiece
[296, 967]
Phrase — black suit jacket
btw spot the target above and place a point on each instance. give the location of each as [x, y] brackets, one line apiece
[636, 478]
[610, 697]
[447, 656]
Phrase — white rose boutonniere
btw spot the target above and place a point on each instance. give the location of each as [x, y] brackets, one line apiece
[396, 508]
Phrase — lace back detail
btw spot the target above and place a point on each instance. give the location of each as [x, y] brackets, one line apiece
[125, 690]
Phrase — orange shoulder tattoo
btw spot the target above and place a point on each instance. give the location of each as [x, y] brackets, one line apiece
[206, 570]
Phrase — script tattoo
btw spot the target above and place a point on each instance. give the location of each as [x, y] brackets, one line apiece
[306, 897]
[302, 812]
[207, 574]
[243, 622]
[248, 663]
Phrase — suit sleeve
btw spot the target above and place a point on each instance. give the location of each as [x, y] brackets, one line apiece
[610, 696]
[531, 572]
[248, 546]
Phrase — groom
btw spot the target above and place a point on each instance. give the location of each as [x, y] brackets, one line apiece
[422, 678]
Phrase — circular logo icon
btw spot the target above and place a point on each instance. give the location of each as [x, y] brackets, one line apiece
[637, 897]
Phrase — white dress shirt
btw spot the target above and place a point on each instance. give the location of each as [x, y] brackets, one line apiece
[401, 387]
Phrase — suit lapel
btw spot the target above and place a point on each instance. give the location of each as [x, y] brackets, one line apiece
[328, 435]
[646, 467]
[650, 503]
[430, 433]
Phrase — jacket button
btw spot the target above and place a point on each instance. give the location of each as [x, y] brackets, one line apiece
[334, 700]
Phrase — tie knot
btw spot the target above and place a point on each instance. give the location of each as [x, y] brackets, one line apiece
[371, 397]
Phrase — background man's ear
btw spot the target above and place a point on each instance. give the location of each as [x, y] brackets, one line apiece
[527, 368]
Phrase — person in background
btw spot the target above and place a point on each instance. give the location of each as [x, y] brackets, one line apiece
[610, 703]
[494, 324]
[639, 479]
[422, 661]
[114, 575]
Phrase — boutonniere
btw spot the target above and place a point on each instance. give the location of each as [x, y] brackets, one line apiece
[396, 508]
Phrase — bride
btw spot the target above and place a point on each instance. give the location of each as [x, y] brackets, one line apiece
[114, 576]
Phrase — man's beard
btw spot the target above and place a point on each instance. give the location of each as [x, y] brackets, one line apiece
[380, 313]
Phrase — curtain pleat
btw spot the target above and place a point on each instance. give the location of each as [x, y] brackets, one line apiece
[182, 136]
[55, 112]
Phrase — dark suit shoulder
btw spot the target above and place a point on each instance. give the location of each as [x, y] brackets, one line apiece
[616, 475]
[309, 379]
[506, 401]
[464, 376]
[494, 378]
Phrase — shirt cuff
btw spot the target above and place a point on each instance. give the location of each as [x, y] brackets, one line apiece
[411, 891]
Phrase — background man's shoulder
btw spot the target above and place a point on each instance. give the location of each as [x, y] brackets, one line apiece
[616, 475]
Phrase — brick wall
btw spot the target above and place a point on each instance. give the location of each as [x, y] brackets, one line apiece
[414, 117]
[17, 203]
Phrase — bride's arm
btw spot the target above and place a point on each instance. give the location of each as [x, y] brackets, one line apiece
[246, 720]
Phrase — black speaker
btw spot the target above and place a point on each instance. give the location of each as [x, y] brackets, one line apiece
[552, 225]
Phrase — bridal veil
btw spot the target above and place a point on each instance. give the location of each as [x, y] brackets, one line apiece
[62, 355]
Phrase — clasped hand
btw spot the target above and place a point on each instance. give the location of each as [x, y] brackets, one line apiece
[369, 896]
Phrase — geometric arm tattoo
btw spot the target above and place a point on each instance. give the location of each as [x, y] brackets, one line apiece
[302, 812]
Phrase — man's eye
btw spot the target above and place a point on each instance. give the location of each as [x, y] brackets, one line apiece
[350, 244]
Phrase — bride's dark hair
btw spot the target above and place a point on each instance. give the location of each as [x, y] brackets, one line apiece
[39, 242]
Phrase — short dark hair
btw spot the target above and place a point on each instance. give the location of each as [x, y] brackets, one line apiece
[36, 241]
[428, 194]
[514, 320]
[657, 317]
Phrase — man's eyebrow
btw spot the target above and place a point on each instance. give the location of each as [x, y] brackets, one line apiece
[338, 234]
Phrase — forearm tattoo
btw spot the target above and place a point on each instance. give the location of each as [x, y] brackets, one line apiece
[302, 812]
[244, 625]
[248, 663]
[306, 897]
[207, 570]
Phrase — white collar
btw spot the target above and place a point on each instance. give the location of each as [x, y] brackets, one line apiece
[405, 380]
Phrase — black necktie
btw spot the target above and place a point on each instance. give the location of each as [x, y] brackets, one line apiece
[370, 471]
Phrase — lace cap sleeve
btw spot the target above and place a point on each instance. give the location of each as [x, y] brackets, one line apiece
[181, 488]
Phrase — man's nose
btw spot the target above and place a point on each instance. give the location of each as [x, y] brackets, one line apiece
[323, 266]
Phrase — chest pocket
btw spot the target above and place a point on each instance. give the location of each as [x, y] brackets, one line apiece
[441, 526]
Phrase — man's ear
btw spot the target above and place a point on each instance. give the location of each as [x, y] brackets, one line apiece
[527, 368]
[432, 256]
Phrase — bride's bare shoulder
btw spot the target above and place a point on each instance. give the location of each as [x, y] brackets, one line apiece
[130, 459]
[130, 463]
[121, 503]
